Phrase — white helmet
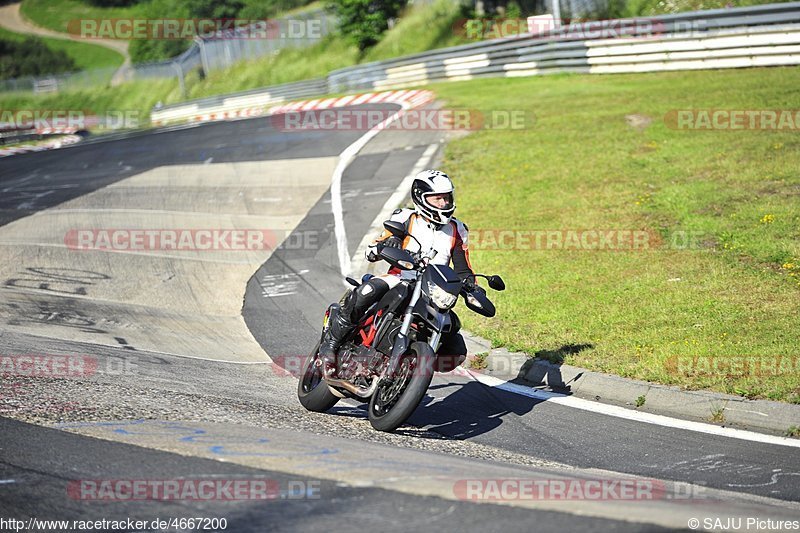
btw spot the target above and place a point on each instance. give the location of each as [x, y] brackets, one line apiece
[428, 183]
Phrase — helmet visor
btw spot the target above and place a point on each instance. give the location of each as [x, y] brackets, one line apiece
[440, 200]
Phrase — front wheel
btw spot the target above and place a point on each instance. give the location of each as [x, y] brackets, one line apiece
[394, 401]
[312, 391]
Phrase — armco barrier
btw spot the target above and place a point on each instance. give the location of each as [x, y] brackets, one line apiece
[224, 106]
[766, 35]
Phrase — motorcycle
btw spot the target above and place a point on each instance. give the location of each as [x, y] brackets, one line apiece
[389, 358]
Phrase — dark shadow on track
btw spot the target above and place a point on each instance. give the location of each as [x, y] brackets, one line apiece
[462, 411]
[552, 374]
[456, 410]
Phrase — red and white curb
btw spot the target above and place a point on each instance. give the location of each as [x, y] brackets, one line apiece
[224, 115]
[56, 131]
[413, 98]
[407, 98]
[49, 145]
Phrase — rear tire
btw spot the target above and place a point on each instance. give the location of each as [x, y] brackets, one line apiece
[312, 391]
[392, 404]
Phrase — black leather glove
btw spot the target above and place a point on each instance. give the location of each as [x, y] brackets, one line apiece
[374, 251]
[471, 286]
[394, 242]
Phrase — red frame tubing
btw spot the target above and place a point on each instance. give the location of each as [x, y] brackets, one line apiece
[368, 336]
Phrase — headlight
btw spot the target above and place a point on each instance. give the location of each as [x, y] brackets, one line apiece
[440, 297]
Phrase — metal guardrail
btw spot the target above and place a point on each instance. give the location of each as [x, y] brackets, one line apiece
[702, 35]
[764, 35]
[66, 81]
[204, 108]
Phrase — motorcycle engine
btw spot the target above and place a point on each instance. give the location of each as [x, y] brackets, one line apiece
[355, 361]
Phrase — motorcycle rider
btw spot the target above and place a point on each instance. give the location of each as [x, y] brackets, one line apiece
[432, 223]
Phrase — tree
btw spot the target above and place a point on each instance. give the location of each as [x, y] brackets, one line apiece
[112, 3]
[364, 21]
[214, 9]
[31, 57]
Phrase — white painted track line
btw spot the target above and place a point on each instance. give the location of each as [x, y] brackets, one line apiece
[345, 158]
[630, 414]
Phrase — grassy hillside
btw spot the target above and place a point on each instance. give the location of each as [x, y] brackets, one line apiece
[425, 26]
[138, 96]
[600, 156]
[56, 14]
[85, 56]
[420, 29]
[648, 8]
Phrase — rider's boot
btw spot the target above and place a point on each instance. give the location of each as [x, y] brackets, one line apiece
[339, 327]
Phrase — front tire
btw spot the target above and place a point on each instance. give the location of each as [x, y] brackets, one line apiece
[312, 391]
[392, 404]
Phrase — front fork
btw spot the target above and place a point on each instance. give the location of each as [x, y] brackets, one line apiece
[403, 341]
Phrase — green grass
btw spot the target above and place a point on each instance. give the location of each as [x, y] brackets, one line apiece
[138, 96]
[582, 166]
[312, 6]
[290, 64]
[479, 361]
[664, 7]
[86, 56]
[56, 14]
[717, 415]
[420, 29]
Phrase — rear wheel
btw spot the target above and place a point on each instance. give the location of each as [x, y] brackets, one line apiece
[312, 391]
[394, 401]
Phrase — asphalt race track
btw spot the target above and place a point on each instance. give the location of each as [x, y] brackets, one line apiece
[189, 351]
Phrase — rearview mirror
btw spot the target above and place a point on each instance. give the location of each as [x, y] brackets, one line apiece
[496, 282]
[395, 228]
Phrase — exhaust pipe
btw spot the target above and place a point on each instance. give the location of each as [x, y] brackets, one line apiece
[358, 391]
